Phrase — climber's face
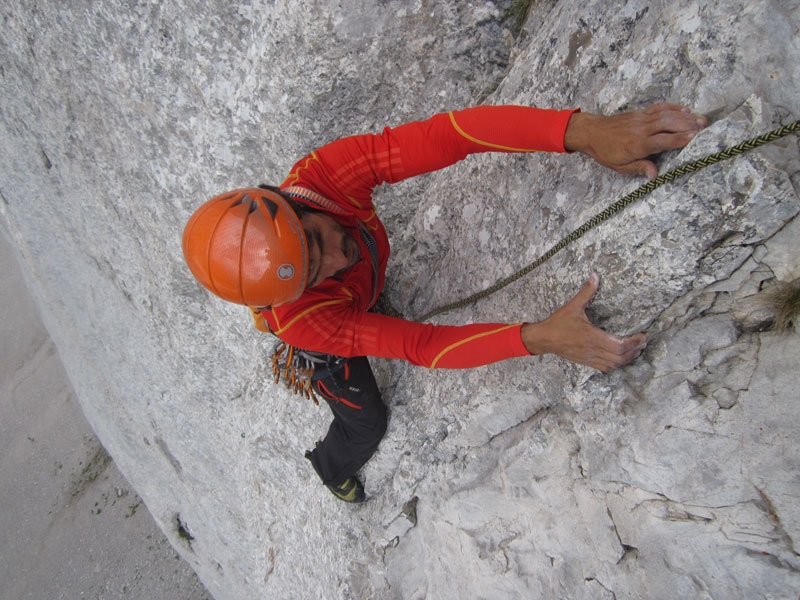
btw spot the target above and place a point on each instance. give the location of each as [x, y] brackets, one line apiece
[331, 249]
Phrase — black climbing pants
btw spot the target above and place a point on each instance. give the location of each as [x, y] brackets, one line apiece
[359, 420]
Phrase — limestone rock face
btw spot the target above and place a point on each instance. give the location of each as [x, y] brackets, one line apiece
[673, 477]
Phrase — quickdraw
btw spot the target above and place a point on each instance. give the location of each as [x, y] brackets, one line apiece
[295, 368]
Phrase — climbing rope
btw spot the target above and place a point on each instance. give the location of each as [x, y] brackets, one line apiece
[611, 210]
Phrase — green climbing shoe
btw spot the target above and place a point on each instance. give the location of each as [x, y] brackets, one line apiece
[350, 490]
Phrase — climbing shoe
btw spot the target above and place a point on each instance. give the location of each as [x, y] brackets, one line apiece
[350, 490]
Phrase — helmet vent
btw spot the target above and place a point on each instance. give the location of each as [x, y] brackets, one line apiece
[251, 204]
[272, 207]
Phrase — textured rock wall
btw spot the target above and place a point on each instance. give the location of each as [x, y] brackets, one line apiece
[676, 476]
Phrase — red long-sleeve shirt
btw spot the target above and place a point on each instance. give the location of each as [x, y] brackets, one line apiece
[332, 317]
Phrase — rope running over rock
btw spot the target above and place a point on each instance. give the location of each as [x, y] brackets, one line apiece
[611, 210]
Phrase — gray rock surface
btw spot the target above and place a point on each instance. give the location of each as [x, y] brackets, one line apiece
[70, 524]
[673, 477]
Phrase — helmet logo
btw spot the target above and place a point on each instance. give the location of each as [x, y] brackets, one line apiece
[285, 272]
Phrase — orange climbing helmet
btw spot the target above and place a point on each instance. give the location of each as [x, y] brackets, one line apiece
[248, 246]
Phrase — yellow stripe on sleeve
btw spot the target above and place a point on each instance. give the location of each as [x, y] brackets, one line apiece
[295, 174]
[280, 329]
[468, 340]
[483, 143]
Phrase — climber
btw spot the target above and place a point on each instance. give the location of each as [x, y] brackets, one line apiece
[309, 259]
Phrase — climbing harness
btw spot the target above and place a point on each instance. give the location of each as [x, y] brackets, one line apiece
[616, 207]
[298, 369]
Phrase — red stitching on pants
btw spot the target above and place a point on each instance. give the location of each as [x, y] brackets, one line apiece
[327, 393]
